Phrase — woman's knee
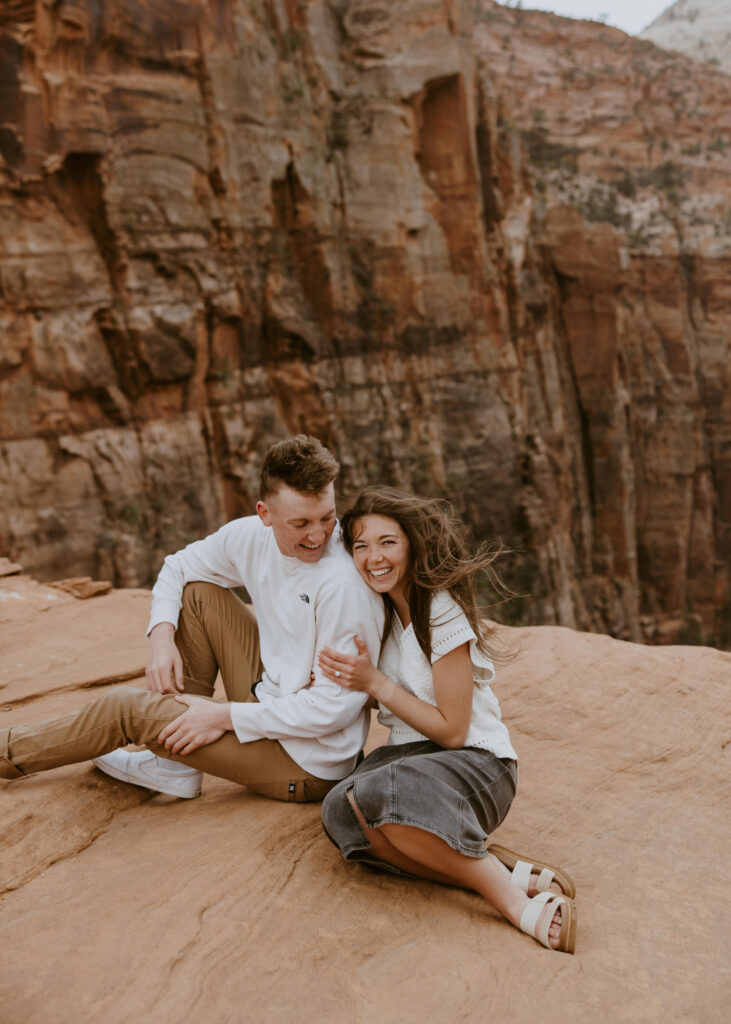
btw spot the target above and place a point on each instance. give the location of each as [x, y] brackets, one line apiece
[350, 797]
[333, 805]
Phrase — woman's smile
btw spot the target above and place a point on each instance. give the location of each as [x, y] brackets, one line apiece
[381, 554]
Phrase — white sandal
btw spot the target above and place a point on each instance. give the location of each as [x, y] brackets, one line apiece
[523, 869]
[531, 916]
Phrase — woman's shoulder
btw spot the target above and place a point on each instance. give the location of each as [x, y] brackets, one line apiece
[444, 609]
[450, 627]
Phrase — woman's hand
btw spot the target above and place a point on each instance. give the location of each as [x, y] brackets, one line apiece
[352, 671]
[204, 722]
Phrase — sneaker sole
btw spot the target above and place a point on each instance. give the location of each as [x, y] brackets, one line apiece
[120, 776]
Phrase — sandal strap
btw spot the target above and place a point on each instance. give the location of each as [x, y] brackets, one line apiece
[530, 916]
[553, 906]
[544, 880]
[510, 859]
[521, 875]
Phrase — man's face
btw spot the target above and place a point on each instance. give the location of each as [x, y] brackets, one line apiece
[302, 523]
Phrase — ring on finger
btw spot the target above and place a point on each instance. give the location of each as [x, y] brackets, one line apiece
[337, 673]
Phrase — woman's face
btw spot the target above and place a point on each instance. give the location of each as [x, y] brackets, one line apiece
[381, 554]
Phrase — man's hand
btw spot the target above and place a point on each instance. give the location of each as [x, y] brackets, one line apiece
[164, 672]
[204, 722]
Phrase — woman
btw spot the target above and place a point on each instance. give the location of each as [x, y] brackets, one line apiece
[425, 804]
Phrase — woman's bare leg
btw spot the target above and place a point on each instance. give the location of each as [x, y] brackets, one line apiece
[422, 853]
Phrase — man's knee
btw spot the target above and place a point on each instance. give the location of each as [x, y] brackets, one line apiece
[198, 591]
[127, 700]
[205, 599]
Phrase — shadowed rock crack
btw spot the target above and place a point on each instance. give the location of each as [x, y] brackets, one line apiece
[88, 684]
[26, 824]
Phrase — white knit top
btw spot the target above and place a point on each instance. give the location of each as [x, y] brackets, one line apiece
[403, 661]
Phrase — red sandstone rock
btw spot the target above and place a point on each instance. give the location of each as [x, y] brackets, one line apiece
[83, 587]
[409, 232]
[630, 210]
[118, 905]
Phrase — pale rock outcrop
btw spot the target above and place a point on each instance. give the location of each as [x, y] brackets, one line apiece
[121, 906]
[698, 28]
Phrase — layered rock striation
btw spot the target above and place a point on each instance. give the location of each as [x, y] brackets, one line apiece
[481, 256]
[621, 251]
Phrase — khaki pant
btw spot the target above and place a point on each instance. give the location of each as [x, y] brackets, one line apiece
[216, 630]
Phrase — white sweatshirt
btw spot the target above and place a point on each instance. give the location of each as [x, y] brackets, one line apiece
[300, 607]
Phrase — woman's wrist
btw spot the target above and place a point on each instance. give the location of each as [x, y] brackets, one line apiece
[380, 687]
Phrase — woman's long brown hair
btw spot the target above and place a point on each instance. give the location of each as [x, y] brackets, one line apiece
[440, 557]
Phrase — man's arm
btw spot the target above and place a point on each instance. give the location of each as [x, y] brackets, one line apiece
[323, 707]
[215, 559]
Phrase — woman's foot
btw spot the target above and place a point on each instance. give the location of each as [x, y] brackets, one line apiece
[533, 877]
[551, 919]
[533, 889]
[554, 929]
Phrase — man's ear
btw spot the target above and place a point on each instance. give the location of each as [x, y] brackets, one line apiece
[263, 512]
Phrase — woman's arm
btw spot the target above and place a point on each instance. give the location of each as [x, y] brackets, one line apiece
[446, 724]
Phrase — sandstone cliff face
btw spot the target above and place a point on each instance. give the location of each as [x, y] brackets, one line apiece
[630, 240]
[699, 28]
[222, 223]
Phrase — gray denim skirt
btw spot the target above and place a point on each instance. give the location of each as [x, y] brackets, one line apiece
[459, 795]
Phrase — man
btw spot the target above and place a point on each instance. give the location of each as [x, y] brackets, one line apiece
[298, 733]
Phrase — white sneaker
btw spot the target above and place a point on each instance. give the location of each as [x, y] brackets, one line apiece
[143, 768]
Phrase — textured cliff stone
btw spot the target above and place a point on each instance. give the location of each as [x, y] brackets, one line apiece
[118, 905]
[630, 213]
[698, 28]
[388, 225]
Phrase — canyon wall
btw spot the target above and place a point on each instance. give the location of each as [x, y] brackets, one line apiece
[450, 242]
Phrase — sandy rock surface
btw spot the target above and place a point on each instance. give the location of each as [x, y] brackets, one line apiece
[118, 906]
